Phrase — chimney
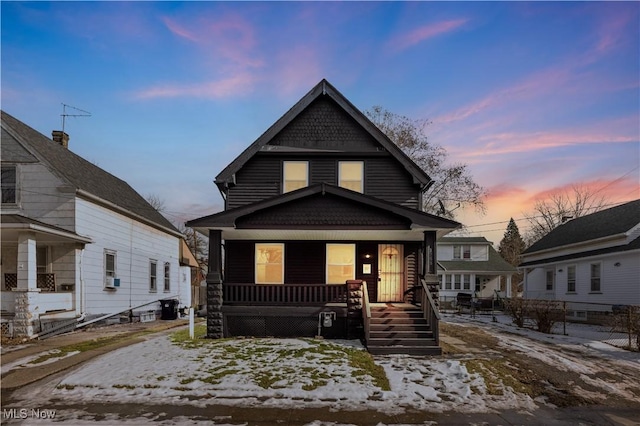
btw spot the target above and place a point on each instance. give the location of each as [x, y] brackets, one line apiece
[60, 137]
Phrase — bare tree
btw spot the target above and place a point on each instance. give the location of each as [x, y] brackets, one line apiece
[548, 213]
[453, 185]
[156, 202]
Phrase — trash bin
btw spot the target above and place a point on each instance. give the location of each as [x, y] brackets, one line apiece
[169, 309]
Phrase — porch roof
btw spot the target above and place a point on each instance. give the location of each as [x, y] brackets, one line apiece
[13, 224]
[321, 211]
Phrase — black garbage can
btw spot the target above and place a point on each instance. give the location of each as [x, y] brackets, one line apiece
[169, 309]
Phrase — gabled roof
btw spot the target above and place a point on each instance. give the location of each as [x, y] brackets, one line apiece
[605, 223]
[85, 177]
[414, 217]
[323, 88]
[495, 264]
[464, 240]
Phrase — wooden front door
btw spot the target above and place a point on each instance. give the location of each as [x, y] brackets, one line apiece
[390, 273]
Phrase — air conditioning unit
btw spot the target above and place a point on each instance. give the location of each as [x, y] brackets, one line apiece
[111, 282]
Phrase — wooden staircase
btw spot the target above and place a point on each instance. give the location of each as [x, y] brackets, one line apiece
[399, 328]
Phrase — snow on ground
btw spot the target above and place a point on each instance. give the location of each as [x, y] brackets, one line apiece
[317, 373]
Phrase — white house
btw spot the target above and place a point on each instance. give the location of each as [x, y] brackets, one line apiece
[592, 261]
[471, 265]
[76, 240]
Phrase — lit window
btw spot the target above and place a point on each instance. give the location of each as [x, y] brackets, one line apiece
[351, 175]
[269, 263]
[341, 263]
[153, 275]
[595, 277]
[295, 175]
[550, 275]
[167, 276]
[8, 183]
[571, 279]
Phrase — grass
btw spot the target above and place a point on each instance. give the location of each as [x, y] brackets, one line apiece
[267, 361]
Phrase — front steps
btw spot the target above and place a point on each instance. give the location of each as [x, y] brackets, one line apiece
[400, 329]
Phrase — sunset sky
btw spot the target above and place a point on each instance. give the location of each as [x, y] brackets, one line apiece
[533, 97]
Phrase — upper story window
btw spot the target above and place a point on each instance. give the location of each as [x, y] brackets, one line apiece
[295, 175]
[9, 184]
[109, 268]
[462, 252]
[270, 263]
[351, 175]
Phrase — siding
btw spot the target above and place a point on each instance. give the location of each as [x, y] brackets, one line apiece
[239, 261]
[260, 178]
[385, 178]
[135, 244]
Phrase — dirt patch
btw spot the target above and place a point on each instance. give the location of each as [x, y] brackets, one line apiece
[503, 368]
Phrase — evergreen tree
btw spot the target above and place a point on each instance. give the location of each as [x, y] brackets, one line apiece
[512, 245]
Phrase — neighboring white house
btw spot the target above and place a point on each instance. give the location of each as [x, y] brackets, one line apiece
[471, 265]
[593, 259]
[76, 240]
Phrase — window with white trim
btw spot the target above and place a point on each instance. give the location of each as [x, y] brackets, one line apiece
[466, 282]
[270, 263]
[153, 275]
[167, 277]
[550, 275]
[109, 266]
[9, 184]
[42, 259]
[295, 175]
[341, 263]
[351, 175]
[595, 269]
[457, 282]
[571, 279]
[462, 252]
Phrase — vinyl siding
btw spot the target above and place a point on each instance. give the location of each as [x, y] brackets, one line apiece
[135, 244]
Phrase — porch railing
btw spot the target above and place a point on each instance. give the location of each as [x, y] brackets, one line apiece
[283, 294]
[366, 310]
[429, 310]
[45, 282]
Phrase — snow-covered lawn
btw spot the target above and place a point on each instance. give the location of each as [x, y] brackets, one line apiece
[306, 373]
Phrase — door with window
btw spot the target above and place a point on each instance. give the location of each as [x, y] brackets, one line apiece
[390, 273]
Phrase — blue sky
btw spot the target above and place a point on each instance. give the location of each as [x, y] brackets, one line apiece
[533, 97]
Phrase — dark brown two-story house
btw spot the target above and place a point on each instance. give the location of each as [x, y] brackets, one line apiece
[323, 198]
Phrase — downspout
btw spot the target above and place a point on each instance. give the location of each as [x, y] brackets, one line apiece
[83, 302]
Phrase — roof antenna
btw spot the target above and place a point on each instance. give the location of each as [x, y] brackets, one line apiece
[64, 114]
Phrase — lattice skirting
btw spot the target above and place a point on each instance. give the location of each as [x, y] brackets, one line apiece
[6, 328]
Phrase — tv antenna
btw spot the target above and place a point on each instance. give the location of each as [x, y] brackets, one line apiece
[78, 113]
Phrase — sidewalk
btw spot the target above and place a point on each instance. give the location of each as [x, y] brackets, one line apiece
[106, 338]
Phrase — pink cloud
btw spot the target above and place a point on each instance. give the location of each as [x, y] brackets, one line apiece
[425, 32]
[237, 85]
[178, 30]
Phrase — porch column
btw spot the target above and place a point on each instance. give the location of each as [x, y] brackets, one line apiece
[215, 328]
[27, 312]
[429, 254]
[509, 286]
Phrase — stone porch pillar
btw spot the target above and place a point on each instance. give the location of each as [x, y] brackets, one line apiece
[26, 310]
[215, 326]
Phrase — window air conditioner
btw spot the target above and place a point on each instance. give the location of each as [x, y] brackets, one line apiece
[110, 282]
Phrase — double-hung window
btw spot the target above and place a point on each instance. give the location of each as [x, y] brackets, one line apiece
[270, 263]
[351, 175]
[109, 266]
[571, 279]
[167, 277]
[341, 263]
[595, 278]
[295, 175]
[462, 252]
[8, 182]
[550, 275]
[153, 275]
